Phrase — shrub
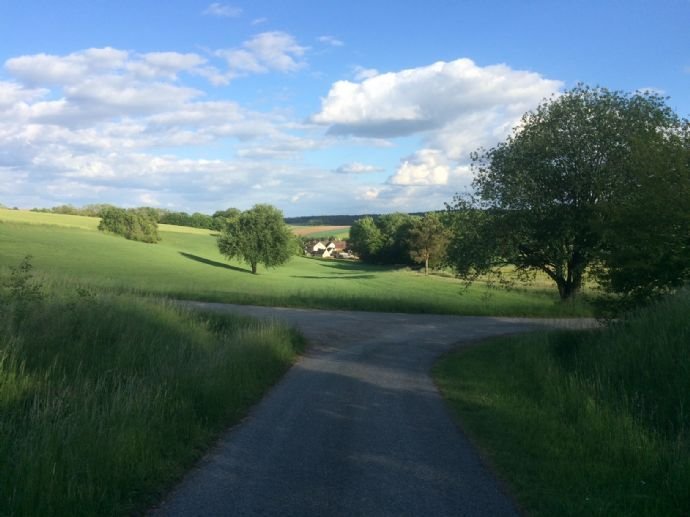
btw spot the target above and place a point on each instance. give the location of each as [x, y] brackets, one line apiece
[135, 225]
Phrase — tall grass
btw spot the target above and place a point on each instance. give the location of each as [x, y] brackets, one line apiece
[105, 400]
[585, 423]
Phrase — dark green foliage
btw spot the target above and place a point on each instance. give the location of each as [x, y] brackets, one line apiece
[586, 180]
[427, 240]
[20, 291]
[221, 217]
[257, 236]
[195, 220]
[133, 224]
[384, 240]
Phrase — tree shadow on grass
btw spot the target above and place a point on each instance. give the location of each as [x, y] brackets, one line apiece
[342, 277]
[210, 262]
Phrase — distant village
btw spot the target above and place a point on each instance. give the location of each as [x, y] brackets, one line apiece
[332, 249]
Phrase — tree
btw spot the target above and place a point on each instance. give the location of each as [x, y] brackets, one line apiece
[133, 224]
[552, 197]
[257, 236]
[366, 239]
[427, 240]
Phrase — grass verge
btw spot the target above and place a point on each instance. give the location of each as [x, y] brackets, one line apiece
[584, 423]
[106, 400]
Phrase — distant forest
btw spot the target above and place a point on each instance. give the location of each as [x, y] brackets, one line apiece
[332, 220]
[212, 222]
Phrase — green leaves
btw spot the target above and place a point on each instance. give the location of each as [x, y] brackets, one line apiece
[257, 236]
[592, 177]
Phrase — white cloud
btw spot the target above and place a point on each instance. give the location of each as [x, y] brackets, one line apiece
[357, 168]
[426, 167]
[451, 107]
[361, 73]
[259, 21]
[330, 40]
[265, 52]
[429, 98]
[222, 10]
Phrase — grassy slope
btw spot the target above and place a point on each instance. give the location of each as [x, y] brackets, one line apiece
[104, 401]
[584, 424]
[186, 263]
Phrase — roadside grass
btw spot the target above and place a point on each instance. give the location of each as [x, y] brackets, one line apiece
[588, 422]
[186, 264]
[106, 400]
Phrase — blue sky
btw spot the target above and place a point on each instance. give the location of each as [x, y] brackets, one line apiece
[314, 106]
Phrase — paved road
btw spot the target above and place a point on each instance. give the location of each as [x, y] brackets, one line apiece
[356, 427]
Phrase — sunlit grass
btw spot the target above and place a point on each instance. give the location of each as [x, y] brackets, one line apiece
[186, 264]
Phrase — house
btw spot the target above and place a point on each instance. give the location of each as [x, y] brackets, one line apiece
[333, 249]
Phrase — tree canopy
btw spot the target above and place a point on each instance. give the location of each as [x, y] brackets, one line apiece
[592, 179]
[382, 240]
[427, 240]
[134, 224]
[256, 236]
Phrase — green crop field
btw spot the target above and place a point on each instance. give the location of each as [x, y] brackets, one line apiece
[186, 264]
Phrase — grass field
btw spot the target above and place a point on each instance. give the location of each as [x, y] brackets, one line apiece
[187, 264]
[582, 423]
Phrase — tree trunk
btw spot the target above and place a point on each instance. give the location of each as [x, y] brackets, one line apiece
[254, 268]
[426, 265]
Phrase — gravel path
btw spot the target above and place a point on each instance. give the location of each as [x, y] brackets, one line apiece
[356, 427]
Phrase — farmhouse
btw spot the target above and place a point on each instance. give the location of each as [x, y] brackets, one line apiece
[333, 249]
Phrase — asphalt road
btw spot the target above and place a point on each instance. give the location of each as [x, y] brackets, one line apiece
[356, 427]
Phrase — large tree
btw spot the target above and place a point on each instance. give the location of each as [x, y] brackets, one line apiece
[257, 236]
[427, 240]
[561, 194]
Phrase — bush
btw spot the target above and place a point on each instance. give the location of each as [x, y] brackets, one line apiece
[134, 225]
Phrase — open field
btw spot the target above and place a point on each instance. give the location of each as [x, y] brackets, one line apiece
[584, 423]
[321, 232]
[187, 264]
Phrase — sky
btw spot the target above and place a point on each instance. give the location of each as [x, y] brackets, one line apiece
[317, 107]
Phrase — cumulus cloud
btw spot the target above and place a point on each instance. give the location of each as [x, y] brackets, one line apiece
[265, 52]
[222, 10]
[106, 124]
[357, 168]
[426, 167]
[451, 107]
[428, 98]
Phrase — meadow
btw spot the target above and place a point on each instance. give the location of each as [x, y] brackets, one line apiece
[584, 423]
[186, 264]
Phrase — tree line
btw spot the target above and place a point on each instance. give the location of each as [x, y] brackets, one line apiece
[158, 215]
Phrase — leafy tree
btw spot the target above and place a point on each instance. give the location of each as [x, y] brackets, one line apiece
[383, 240]
[366, 239]
[427, 240]
[562, 193]
[257, 236]
[133, 224]
[220, 217]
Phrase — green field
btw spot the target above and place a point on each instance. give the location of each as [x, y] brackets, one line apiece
[584, 423]
[186, 264]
